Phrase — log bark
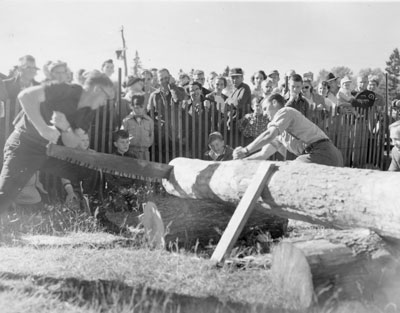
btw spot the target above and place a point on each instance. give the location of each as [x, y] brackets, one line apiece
[330, 196]
[203, 220]
[350, 264]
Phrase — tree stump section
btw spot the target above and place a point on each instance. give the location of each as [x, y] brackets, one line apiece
[188, 221]
[351, 264]
[330, 196]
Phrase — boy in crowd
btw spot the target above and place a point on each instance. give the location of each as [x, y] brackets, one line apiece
[394, 129]
[140, 128]
[117, 187]
[344, 97]
[218, 150]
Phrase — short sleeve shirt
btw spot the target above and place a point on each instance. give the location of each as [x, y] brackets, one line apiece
[296, 132]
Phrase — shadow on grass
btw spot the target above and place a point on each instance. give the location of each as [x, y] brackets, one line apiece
[105, 294]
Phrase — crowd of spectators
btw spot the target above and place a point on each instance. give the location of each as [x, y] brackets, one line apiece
[157, 91]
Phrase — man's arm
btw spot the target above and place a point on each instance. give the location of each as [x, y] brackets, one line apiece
[30, 100]
[263, 139]
[264, 154]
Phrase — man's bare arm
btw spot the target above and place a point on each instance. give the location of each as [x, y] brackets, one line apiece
[30, 100]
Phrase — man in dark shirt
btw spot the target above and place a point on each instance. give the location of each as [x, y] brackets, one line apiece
[51, 112]
[240, 99]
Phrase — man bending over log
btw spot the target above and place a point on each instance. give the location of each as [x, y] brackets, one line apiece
[51, 112]
[291, 130]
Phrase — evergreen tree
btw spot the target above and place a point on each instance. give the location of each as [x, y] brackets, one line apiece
[226, 71]
[393, 69]
[137, 65]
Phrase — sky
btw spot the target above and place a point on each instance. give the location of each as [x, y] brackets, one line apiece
[304, 36]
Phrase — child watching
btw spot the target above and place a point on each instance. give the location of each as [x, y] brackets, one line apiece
[344, 97]
[253, 124]
[140, 128]
[218, 150]
[118, 188]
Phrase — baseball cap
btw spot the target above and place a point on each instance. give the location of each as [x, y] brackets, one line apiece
[274, 72]
[330, 77]
[236, 71]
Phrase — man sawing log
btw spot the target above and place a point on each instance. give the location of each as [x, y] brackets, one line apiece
[330, 196]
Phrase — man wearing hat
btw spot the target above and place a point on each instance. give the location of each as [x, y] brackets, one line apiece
[274, 75]
[333, 87]
[240, 99]
[11, 87]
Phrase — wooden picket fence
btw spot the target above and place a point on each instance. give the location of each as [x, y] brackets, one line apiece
[363, 140]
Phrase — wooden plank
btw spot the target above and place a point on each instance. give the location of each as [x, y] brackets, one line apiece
[206, 128]
[224, 126]
[187, 122]
[180, 133]
[166, 129]
[194, 129]
[243, 211]
[159, 123]
[104, 128]
[96, 130]
[153, 146]
[199, 136]
[111, 130]
[173, 129]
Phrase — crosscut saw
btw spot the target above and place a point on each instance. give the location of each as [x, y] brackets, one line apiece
[110, 163]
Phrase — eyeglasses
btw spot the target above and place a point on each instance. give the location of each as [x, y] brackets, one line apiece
[306, 87]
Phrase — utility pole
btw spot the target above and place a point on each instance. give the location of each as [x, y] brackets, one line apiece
[124, 51]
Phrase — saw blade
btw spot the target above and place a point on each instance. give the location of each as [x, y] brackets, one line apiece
[110, 163]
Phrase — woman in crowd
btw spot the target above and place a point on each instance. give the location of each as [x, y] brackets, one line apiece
[257, 78]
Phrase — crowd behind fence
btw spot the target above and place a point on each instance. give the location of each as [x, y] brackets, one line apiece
[363, 139]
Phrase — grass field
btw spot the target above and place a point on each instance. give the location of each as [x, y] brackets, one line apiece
[56, 259]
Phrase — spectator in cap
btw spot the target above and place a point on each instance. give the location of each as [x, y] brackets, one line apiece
[373, 84]
[275, 78]
[240, 99]
[198, 76]
[219, 151]
[256, 79]
[332, 81]
[11, 87]
[56, 71]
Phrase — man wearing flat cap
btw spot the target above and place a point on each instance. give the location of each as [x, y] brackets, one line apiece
[10, 88]
[240, 99]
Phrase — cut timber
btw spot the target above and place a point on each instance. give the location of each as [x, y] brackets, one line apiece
[187, 221]
[242, 212]
[330, 196]
[352, 264]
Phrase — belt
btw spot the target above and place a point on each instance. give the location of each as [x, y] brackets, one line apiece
[311, 146]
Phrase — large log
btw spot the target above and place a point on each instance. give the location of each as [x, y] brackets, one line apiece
[188, 221]
[347, 264]
[330, 196]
